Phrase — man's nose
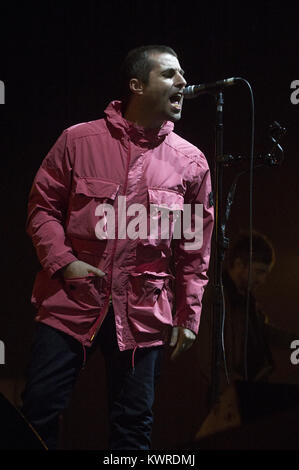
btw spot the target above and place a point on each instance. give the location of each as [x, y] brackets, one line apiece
[180, 81]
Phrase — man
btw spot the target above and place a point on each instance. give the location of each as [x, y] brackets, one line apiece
[268, 346]
[257, 364]
[111, 290]
[235, 282]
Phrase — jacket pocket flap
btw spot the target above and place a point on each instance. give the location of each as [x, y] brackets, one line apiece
[96, 187]
[167, 199]
[152, 274]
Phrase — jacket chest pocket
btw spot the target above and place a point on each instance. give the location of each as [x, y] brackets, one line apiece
[91, 212]
[164, 216]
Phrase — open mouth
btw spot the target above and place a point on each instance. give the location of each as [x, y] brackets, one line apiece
[176, 100]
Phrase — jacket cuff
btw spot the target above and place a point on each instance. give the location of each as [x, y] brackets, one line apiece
[192, 325]
[59, 264]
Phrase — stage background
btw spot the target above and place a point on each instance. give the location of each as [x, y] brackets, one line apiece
[59, 62]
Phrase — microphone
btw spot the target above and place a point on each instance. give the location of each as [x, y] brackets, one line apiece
[193, 91]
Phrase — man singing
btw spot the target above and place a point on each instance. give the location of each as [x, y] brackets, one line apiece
[129, 296]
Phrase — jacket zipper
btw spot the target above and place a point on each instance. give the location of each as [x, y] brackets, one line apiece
[100, 320]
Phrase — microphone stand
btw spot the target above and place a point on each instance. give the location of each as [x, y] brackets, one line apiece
[221, 244]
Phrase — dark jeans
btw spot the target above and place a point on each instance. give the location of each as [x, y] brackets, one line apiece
[55, 364]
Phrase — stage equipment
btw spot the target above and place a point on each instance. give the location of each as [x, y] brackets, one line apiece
[252, 415]
[193, 91]
[222, 212]
[16, 433]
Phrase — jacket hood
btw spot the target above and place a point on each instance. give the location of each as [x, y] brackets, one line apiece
[139, 135]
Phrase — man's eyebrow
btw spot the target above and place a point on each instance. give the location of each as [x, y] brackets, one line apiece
[171, 69]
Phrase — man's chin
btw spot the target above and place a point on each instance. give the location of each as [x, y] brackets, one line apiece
[174, 117]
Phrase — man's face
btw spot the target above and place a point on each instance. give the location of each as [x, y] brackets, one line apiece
[162, 96]
[259, 275]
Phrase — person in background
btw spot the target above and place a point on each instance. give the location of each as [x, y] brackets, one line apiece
[262, 335]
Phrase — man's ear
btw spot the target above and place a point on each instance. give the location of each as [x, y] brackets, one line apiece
[136, 86]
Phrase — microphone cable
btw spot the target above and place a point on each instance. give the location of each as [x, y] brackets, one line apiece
[251, 165]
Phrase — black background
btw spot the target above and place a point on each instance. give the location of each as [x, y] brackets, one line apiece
[60, 62]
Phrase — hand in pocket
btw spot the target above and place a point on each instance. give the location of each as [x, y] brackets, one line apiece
[80, 269]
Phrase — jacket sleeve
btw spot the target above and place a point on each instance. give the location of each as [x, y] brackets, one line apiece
[191, 260]
[47, 207]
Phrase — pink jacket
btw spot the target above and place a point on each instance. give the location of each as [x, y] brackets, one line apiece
[94, 163]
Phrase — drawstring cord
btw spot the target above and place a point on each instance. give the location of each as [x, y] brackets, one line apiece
[84, 356]
[133, 359]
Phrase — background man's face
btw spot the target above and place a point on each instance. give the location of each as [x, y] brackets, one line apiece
[162, 95]
[259, 275]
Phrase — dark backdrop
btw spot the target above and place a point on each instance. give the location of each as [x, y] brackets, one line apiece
[59, 62]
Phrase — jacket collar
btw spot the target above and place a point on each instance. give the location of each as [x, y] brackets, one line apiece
[137, 134]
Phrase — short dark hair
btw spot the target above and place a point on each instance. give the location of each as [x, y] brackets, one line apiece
[262, 249]
[137, 64]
